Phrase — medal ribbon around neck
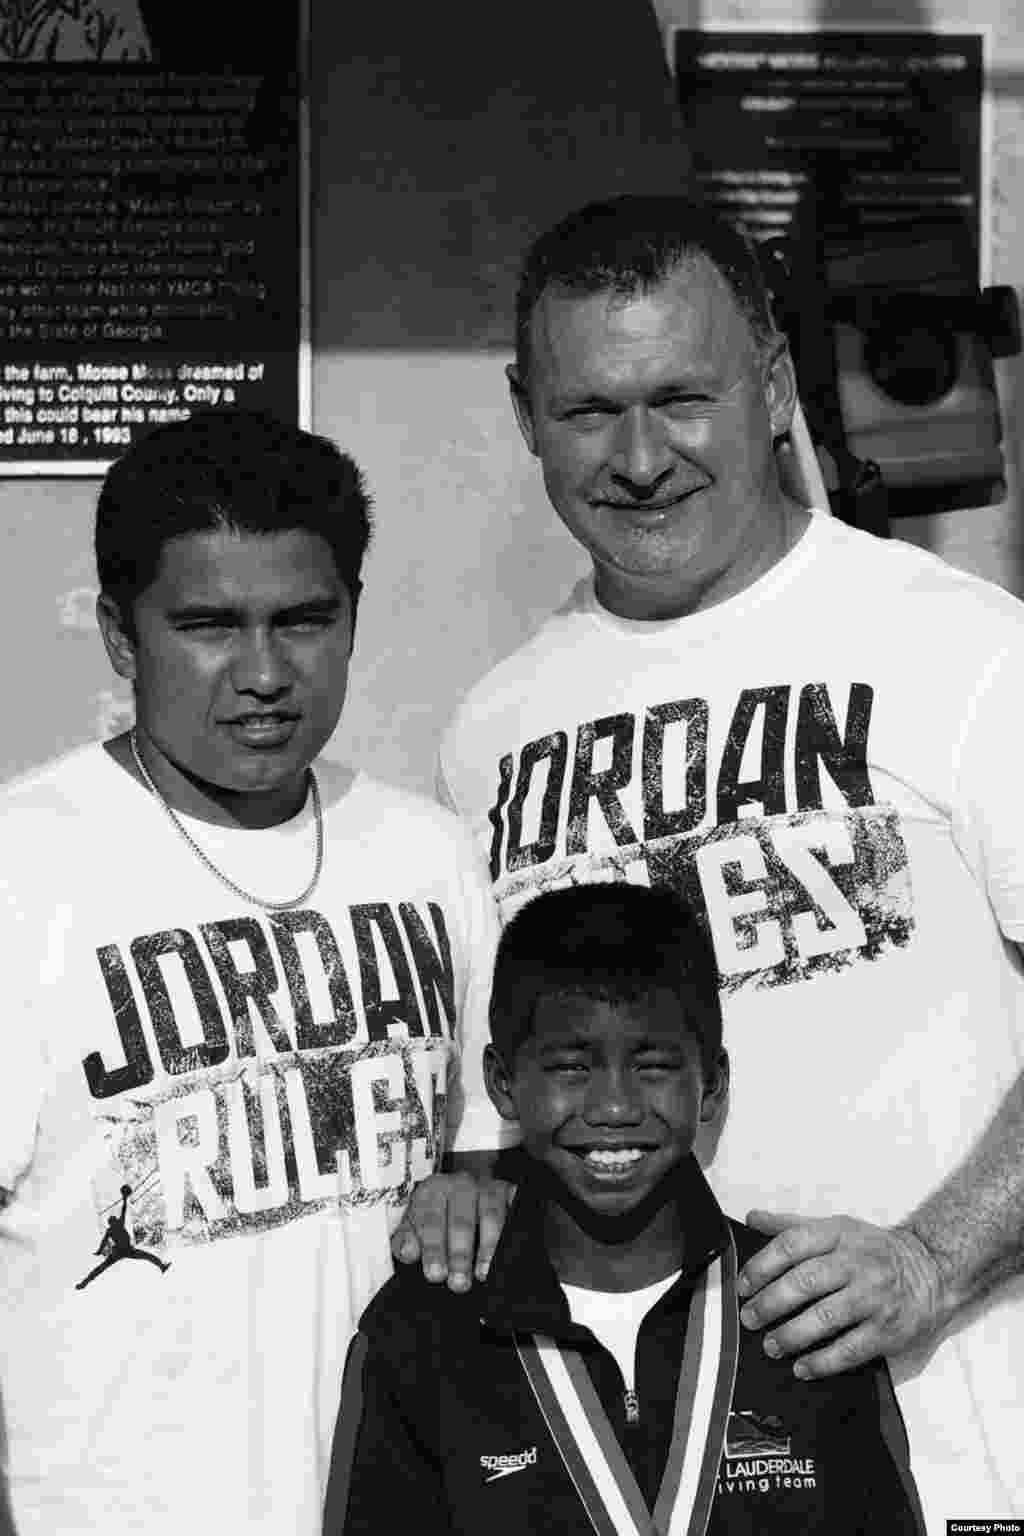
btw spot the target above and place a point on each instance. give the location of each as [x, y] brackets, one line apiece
[588, 1445]
[203, 856]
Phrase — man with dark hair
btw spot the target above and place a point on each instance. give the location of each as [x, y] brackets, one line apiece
[598, 1380]
[222, 469]
[811, 734]
[237, 989]
[630, 245]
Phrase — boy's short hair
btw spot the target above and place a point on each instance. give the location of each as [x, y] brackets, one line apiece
[616, 943]
[632, 243]
[226, 469]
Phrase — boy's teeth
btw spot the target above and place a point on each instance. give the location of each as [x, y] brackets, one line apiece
[615, 1159]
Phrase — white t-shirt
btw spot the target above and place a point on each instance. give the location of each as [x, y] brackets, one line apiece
[185, 1078]
[614, 1318]
[828, 767]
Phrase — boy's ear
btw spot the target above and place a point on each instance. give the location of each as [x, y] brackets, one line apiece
[120, 646]
[499, 1084]
[716, 1088]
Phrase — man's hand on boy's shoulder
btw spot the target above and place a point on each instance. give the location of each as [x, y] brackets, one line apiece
[453, 1221]
[856, 1290]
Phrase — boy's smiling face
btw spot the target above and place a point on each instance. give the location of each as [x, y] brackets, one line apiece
[608, 1095]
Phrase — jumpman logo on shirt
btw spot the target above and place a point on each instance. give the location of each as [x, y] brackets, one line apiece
[116, 1244]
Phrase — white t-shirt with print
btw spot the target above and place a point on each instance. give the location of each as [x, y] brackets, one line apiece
[188, 1083]
[828, 767]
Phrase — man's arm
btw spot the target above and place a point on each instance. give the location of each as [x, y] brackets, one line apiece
[453, 1216]
[847, 1289]
[850, 1290]
[6, 1513]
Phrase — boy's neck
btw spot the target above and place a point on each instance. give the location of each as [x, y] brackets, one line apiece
[583, 1255]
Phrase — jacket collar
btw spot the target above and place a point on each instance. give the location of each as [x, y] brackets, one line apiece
[522, 1291]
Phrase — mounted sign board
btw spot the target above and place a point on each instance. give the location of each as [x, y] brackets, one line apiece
[153, 222]
[882, 125]
[862, 157]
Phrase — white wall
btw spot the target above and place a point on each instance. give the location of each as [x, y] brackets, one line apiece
[467, 558]
[56, 684]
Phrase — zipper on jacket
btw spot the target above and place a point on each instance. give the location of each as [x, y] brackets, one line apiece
[632, 1406]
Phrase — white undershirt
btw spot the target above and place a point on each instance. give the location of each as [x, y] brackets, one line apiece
[614, 1317]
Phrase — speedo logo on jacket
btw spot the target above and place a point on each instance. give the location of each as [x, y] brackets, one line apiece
[502, 1466]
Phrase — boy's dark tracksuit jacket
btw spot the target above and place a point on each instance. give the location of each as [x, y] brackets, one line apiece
[435, 1395]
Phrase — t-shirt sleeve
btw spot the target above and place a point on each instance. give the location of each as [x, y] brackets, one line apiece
[23, 1074]
[442, 788]
[989, 802]
[478, 1126]
[21, 1090]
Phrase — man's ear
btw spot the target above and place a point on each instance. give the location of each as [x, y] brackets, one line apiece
[780, 389]
[716, 1088]
[119, 643]
[521, 405]
[499, 1084]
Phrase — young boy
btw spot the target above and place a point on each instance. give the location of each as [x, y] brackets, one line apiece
[598, 1379]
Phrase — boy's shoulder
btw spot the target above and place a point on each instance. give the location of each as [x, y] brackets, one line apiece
[747, 1241]
[863, 1383]
[409, 1310]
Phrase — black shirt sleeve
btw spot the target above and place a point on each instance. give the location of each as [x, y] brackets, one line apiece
[381, 1468]
[871, 1491]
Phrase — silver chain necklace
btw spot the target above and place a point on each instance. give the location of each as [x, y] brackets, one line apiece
[255, 901]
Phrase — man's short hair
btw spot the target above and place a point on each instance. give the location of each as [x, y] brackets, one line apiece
[228, 469]
[628, 245]
[615, 943]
